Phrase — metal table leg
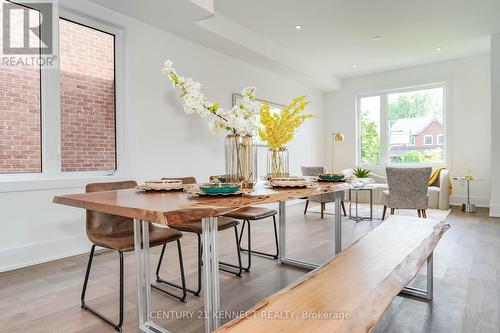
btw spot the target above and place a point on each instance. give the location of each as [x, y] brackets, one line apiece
[337, 229]
[338, 223]
[425, 294]
[211, 274]
[141, 249]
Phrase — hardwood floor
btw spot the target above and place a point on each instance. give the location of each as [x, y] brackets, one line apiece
[46, 297]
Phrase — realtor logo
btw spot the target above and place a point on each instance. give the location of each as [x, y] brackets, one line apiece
[28, 27]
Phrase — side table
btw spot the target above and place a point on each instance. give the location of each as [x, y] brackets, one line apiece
[356, 190]
[467, 207]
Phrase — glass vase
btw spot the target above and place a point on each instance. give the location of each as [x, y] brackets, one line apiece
[277, 163]
[240, 160]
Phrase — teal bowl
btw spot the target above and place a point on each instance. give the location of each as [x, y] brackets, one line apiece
[331, 176]
[220, 188]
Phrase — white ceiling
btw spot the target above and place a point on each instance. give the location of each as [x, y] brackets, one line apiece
[336, 34]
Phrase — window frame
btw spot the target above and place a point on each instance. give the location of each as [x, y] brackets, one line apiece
[440, 140]
[384, 130]
[51, 121]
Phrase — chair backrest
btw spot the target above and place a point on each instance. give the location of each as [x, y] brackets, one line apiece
[107, 224]
[408, 187]
[312, 171]
[185, 180]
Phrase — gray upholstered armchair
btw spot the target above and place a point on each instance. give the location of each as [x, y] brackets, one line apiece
[407, 190]
[323, 199]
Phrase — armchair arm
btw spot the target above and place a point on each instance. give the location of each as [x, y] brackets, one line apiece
[378, 178]
[444, 189]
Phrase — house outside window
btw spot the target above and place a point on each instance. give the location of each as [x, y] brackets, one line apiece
[440, 139]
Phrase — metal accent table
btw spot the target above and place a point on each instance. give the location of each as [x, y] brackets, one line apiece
[467, 207]
[356, 190]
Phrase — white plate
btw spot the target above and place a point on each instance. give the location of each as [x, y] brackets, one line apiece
[288, 183]
[162, 186]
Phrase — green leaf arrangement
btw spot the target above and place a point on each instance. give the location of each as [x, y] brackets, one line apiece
[360, 172]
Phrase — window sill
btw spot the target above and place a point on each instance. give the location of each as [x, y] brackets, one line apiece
[407, 165]
[42, 184]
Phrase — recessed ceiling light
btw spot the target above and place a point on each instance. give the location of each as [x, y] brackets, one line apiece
[439, 48]
[354, 66]
[298, 27]
[377, 38]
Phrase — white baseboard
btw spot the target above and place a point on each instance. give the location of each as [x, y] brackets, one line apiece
[495, 210]
[458, 200]
[38, 253]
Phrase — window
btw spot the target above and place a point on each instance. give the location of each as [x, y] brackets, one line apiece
[87, 98]
[20, 110]
[369, 110]
[79, 133]
[398, 126]
[440, 139]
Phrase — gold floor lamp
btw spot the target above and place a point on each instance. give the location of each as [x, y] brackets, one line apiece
[336, 137]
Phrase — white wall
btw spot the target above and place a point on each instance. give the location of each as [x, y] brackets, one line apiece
[160, 139]
[468, 116]
[495, 126]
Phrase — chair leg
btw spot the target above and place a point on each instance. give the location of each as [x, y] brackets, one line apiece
[239, 266]
[322, 210]
[384, 212]
[181, 268]
[424, 213]
[419, 213]
[84, 306]
[305, 209]
[392, 211]
[200, 253]
[249, 241]
[343, 208]
[276, 238]
[263, 254]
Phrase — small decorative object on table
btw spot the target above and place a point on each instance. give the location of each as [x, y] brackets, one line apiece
[162, 185]
[239, 123]
[277, 130]
[360, 172]
[331, 177]
[217, 189]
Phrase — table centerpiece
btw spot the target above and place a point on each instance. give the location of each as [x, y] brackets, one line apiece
[238, 123]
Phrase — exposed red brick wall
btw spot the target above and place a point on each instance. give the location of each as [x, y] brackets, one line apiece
[87, 98]
[20, 149]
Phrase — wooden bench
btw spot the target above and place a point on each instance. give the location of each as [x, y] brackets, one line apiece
[351, 292]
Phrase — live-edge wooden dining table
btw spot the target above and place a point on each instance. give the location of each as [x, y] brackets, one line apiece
[174, 207]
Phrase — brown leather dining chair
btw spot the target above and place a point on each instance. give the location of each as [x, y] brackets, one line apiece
[117, 233]
[195, 227]
[248, 214]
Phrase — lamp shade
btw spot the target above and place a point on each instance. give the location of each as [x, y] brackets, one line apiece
[338, 136]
